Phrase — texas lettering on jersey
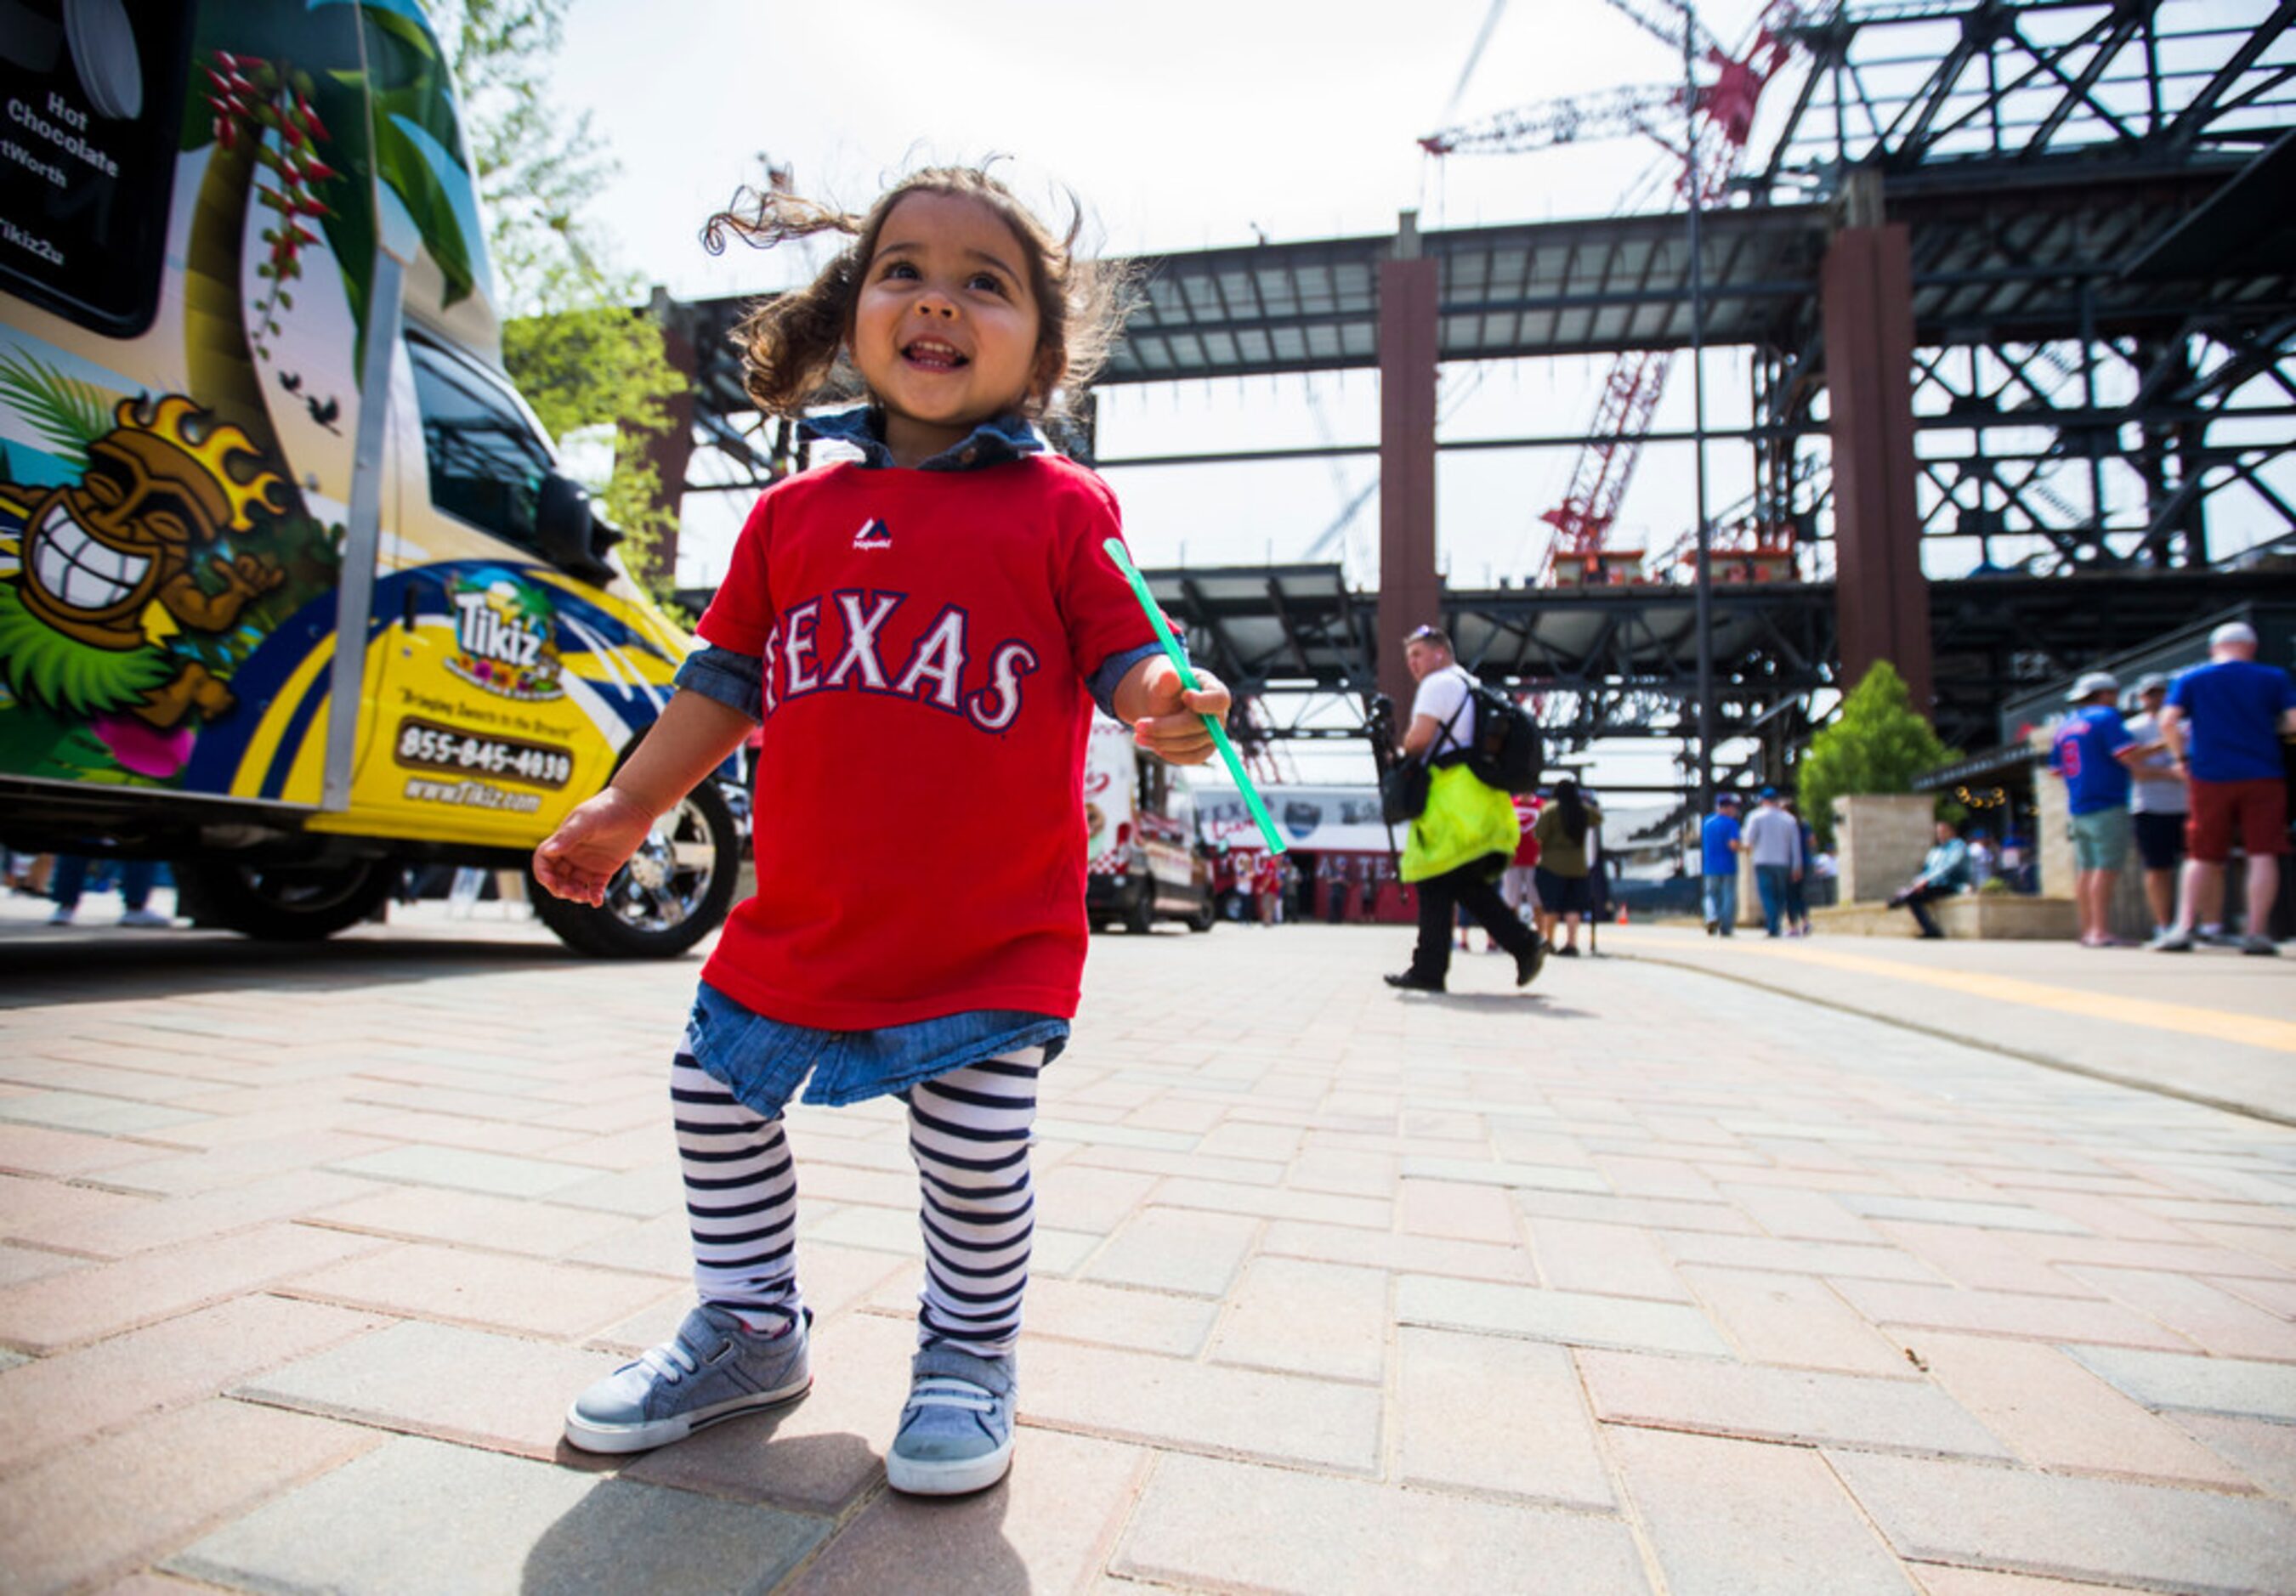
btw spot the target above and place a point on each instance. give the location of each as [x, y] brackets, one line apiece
[856, 641]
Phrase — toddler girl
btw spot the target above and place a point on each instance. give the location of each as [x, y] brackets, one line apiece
[922, 632]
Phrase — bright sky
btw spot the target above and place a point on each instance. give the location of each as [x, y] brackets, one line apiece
[1181, 123]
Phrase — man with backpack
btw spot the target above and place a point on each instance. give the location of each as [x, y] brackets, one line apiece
[1464, 838]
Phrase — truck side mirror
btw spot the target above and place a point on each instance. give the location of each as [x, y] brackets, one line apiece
[570, 531]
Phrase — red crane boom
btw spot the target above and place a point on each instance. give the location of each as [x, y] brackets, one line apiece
[1723, 117]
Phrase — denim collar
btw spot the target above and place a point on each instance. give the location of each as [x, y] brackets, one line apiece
[996, 441]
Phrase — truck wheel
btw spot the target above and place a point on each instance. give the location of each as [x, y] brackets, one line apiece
[675, 890]
[1141, 918]
[286, 903]
[1202, 919]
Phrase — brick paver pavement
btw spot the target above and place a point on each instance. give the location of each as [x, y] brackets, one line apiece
[1648, 1281]
[2126, 1014]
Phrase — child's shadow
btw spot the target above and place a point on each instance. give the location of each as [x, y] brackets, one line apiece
[736, 1509]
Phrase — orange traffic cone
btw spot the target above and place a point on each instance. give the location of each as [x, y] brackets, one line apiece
[1622, 914]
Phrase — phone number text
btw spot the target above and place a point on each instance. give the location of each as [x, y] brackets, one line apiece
[424, 745]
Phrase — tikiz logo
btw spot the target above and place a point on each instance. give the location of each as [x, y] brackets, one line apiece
[875, 534]
[503, 636]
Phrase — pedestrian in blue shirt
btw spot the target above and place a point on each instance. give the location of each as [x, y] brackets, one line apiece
[1718, 848]
[2092, 751]
[2224, 722]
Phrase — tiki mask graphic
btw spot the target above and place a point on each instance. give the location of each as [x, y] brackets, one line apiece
[117, 561]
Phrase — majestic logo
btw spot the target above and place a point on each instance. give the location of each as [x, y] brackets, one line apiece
[875, 534]
[503, 629]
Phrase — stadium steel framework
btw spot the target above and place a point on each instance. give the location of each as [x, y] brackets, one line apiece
[2021, 277]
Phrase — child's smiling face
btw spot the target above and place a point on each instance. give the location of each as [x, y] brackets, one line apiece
[945, 330]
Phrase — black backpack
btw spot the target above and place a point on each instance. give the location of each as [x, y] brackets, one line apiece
[1508, 753]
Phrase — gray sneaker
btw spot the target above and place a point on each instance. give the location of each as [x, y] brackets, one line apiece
[715, 1369]
[2261, 944]
[956, 1431]
[2172, 941]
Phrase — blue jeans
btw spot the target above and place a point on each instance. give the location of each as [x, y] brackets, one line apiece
[70, 880]
[1771, 881]
[1721, 893]
[763, 1061]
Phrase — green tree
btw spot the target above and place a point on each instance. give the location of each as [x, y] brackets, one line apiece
[572, 343]
[1877, 743]
[604, 363]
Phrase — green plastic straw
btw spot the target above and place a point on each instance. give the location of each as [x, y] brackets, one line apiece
[1179, 659]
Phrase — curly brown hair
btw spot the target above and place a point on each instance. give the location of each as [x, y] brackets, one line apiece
[794, 344]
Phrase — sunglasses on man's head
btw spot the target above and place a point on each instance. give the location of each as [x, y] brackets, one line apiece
[1424, 635]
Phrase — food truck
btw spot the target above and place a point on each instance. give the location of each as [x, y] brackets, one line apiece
[293, 594]
[1140, 818]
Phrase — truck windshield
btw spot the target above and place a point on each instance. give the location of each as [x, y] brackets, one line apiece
[487, 462]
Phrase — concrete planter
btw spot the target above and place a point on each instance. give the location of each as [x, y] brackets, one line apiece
[1990, 916]
[2009, 917]
[1879, 839]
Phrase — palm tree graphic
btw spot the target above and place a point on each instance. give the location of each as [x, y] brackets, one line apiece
[342, 90]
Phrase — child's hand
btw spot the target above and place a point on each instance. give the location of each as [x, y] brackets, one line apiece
[1172, 727]
[577, 860]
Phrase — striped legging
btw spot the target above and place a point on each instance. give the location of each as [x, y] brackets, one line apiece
[968, 1137]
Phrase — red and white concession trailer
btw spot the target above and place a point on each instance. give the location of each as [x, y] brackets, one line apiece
[1140, 818]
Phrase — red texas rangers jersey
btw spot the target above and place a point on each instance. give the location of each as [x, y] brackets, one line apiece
[920, 814]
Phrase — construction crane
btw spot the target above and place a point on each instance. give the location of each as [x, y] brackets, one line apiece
[1721, 120]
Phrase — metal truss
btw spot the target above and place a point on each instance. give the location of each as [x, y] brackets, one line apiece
[1620, 663]
[1296, 646]
[1905, 84]
[2124, 444]
[2068, 455]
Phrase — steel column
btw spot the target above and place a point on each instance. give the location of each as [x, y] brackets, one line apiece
[1703, 530]
[1410, 593]
[1866, 288]
[671, 450]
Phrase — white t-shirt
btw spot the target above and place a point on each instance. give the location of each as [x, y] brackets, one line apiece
[2154, 791]
[1441, 693]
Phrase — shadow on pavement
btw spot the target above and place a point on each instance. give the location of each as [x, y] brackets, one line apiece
[1500, 1002]
[660, 1520]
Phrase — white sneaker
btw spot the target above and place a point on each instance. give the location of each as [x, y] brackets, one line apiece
[2172, 941]
[63, 915]
[147, 917]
